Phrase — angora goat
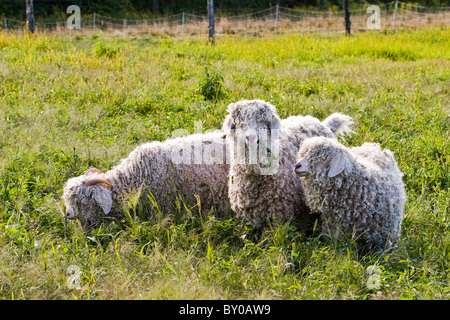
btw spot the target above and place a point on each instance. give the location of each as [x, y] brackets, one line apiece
[358, 191]
[183, 167]
[263, 151]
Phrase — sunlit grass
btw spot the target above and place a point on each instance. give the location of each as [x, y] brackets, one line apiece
[69, 104]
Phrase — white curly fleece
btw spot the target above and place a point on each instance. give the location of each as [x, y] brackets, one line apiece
[259, 198]
[358, 191]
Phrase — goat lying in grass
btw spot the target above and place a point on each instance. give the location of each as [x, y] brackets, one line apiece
[192, 168]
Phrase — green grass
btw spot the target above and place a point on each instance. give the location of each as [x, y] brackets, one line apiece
[69, 104]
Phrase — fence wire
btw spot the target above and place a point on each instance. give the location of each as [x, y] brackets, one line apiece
[274, 20]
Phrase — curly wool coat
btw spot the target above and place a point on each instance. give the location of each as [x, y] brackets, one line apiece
[261, 198]
[179, 168]
[358, 191]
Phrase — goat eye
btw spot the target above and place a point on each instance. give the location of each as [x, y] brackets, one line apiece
[232, 127]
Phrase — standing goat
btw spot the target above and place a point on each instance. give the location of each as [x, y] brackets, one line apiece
[358, 191]
[263, 151]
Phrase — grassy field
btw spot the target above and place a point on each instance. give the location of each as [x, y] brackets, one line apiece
[69, 104]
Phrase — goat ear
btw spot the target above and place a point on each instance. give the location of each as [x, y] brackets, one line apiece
[106, 206]
[227, 125]
[103, 198]
[275, 128]
[337, 165]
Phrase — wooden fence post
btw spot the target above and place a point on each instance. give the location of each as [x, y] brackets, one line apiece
[395, 13]
[211, 21]
[347, 19]
[31, 24]
[276, 16]
[182, 23]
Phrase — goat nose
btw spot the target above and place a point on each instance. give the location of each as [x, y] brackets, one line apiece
[301, 167]
[251, 140]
